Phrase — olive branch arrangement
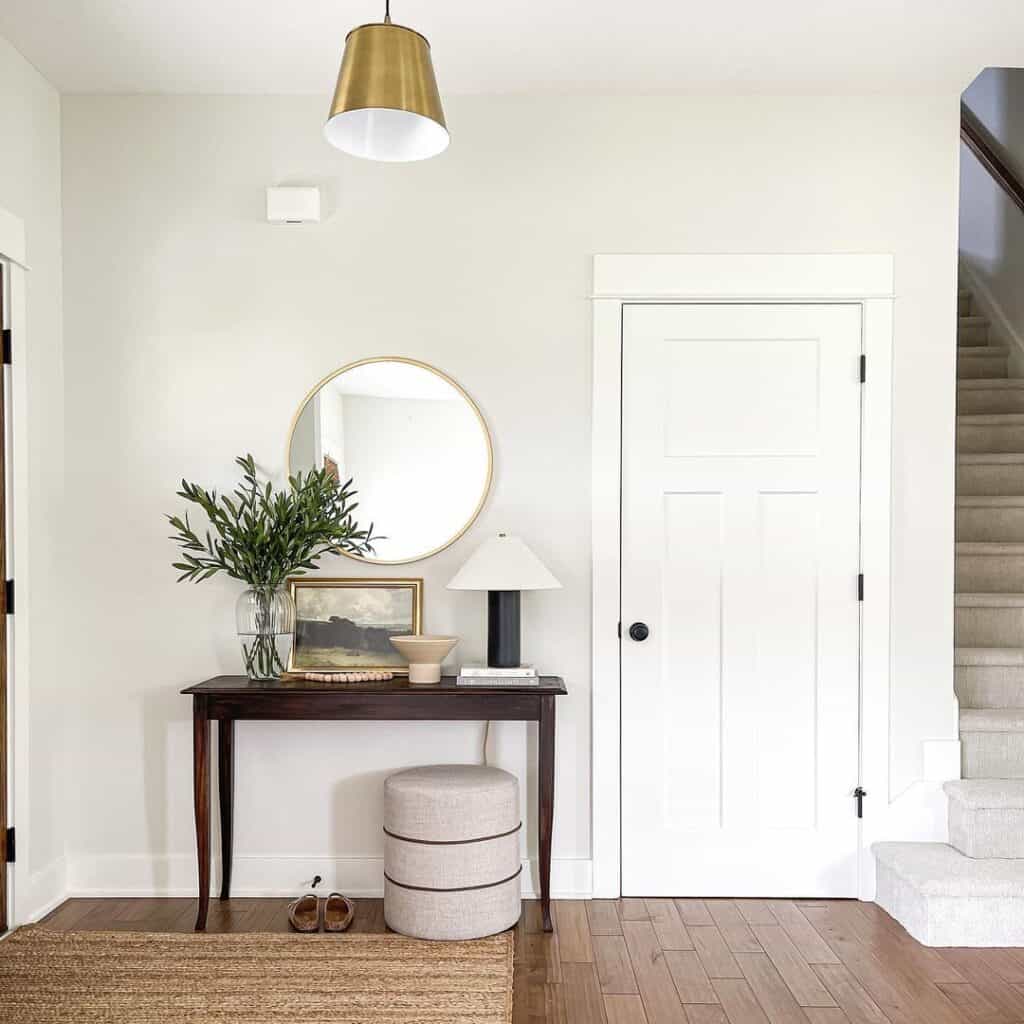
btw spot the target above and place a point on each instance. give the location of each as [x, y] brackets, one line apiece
[261, 536]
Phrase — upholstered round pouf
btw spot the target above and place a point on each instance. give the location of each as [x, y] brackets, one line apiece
[451, 851]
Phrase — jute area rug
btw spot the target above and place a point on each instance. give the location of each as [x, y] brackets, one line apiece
[148, 978]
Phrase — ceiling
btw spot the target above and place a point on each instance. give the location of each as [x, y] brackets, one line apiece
[268, 46]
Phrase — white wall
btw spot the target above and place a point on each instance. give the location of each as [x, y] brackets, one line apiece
[30, 187]
[991, 226]
[195, 329]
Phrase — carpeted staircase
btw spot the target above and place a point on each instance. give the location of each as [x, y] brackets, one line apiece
[971, 891]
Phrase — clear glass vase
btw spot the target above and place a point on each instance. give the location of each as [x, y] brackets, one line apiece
[265, 616]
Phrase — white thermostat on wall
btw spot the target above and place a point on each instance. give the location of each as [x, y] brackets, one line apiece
[293, 205]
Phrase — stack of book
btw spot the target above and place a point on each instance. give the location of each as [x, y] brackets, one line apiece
[483, 675]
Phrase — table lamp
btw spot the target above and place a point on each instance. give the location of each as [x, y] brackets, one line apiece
[503, 566]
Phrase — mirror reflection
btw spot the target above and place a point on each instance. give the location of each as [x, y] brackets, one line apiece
[414, 444]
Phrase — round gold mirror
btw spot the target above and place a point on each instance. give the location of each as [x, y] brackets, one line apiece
[412, 441]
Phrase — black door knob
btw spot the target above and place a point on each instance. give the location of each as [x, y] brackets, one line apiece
[639, 631]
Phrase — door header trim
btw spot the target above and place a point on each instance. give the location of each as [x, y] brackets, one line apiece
[721, 277]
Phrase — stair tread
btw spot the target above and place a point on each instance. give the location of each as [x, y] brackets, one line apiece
[936, 869]
[988, 656]
[991, 383]
[988, 600]
[989, 547]
[992, 720]
[987, 794]
[972, 320]
[990, 500]
[987, 351]
[990, 458]
[991, 419]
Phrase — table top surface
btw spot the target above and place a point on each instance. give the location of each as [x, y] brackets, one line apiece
[398, 687]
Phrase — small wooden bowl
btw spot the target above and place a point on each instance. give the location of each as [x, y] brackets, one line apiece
[425, 655]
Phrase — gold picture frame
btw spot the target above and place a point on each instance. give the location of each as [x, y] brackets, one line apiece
[344, 624]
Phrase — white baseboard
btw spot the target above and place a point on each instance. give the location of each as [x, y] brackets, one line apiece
[359, 877]
[41, 892]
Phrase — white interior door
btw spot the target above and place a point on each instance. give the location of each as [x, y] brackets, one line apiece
[740, 552]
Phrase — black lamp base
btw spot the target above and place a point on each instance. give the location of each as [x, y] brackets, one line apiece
[503, 628]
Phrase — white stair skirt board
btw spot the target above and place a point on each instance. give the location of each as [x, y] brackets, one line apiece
[992, 743]
[946, 899]
[986, 817]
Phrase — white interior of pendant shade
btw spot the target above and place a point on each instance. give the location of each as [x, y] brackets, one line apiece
[377, 133]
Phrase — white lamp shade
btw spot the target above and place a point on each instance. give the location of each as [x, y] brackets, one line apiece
[504, 563]
[392, 136]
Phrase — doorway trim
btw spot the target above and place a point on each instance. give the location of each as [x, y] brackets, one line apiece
[621, 280]
[13, 252]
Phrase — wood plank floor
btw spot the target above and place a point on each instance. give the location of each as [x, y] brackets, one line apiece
[685, 961]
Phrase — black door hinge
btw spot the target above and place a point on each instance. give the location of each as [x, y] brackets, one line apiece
[9, 597]
[860, 587]
[619, 630]
[10, 846]
[7, 346]
[863, 369]
[858, 794]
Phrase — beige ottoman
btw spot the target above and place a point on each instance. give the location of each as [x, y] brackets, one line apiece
[451, 851]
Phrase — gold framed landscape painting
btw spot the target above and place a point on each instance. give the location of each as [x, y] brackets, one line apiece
[347, 624]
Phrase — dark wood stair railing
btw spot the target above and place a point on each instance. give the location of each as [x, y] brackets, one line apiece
[977, 140]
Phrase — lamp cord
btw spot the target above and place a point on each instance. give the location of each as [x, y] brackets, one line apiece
[387, 12]
[487, 733]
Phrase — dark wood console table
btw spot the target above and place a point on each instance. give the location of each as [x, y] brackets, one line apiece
[226, 699]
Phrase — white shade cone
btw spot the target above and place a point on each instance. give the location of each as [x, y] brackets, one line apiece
[392, 136]
[504, 563]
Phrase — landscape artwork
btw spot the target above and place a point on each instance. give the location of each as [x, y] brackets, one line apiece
[348, 624]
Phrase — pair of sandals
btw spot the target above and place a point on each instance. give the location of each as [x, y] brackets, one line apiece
[304, 913]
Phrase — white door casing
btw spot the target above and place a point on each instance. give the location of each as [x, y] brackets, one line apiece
[740, 552]
[621, 281]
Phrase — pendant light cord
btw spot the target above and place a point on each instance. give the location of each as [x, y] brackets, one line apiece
[387, 12]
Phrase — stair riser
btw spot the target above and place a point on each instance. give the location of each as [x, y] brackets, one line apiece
[990, 478]
[990, 401]
[989, 627]
[992, 755]
[978, 367]
[990, 574]
[990, 524]
[990, 686]
[972, 336]
[949, 920]
[963, 305]
[986, 832]
[989, 438]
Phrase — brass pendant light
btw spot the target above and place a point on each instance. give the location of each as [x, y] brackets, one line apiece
[386, 105]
